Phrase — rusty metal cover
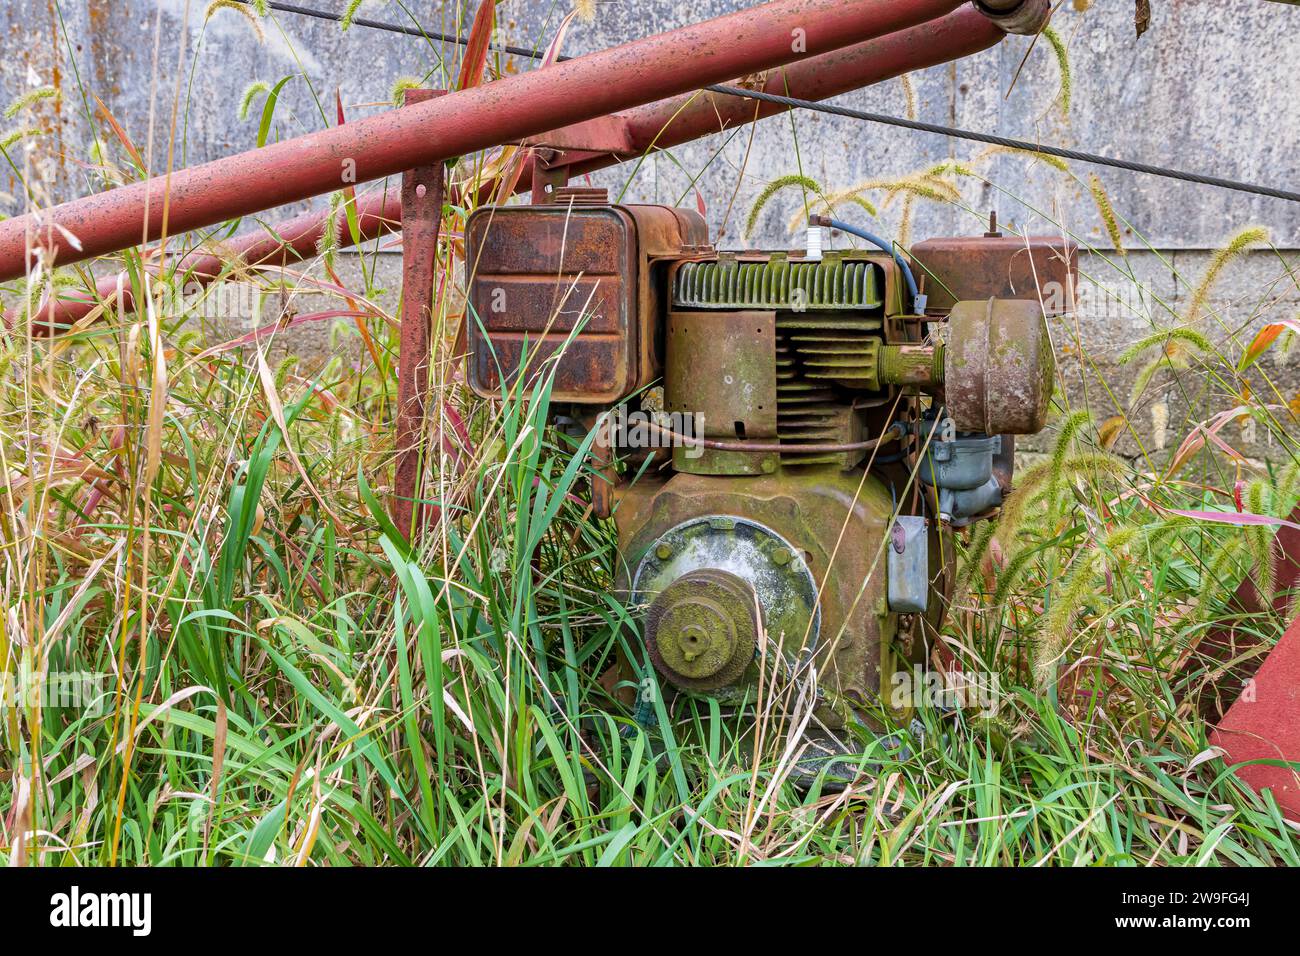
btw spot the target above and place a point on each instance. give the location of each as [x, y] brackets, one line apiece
[998, 367]
[1043, 268]
[537, 272]
[721, 369]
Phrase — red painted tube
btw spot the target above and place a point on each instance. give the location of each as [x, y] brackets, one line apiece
[683, 118]
[663, 124]
[423, 190]
[378, 214]
[510, 109]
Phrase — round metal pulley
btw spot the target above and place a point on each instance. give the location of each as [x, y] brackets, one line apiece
[702, 630]
[998, 367]
[714, 585]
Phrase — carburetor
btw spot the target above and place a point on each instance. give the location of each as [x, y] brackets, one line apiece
[784, 439]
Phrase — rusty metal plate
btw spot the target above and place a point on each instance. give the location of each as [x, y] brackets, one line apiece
[1264, 725]
[721, 367]
[604, 134]
[1042, 268]
[536, 273]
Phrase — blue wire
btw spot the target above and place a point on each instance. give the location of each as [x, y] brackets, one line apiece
[879, 243]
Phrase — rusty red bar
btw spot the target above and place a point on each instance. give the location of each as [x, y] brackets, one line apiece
[506, 110]
[293, 240]
[1262, 729]
[680, 119]
[664, 124]
[423, 190]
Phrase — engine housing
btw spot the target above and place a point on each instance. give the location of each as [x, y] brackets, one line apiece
[812, 427]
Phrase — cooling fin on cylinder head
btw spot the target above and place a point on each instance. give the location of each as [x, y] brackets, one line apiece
[777, 283]
[815, 353]
[838, 351]
[829, 321]
[807, 411]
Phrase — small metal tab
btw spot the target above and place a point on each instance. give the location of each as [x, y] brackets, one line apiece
[909, 566]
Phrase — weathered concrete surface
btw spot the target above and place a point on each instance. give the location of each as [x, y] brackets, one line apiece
[1117, 310]
[1210, 88]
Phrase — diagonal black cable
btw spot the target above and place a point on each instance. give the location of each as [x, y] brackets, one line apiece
[390, 27]
[1073, 154]
[793, 103]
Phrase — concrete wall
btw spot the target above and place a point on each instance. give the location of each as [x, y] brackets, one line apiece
[1210, 88]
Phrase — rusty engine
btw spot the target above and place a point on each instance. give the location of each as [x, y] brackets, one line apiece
[785, 440]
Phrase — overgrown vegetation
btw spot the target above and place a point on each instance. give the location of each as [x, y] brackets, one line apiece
[284, 681]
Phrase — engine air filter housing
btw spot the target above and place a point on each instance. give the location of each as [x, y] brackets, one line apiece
[573, 276]
[998, 367]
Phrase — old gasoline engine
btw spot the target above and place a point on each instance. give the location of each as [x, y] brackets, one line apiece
[821, 421]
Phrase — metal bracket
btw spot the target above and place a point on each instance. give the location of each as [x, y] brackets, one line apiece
[602, 135]
[423, 191]
[909, 565]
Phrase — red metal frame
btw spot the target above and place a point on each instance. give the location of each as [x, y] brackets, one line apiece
[423, 191]
[507, 110]
[658, 125]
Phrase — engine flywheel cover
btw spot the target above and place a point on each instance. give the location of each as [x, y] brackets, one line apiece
[713, 585]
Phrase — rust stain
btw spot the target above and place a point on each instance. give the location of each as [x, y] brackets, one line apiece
[101, 49]
[56, 104]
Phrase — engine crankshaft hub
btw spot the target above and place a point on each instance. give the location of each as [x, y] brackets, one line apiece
[703, 629]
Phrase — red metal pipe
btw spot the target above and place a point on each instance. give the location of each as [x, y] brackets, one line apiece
[378, 214]
[962, 33]
[509, 109]
[683, 118]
